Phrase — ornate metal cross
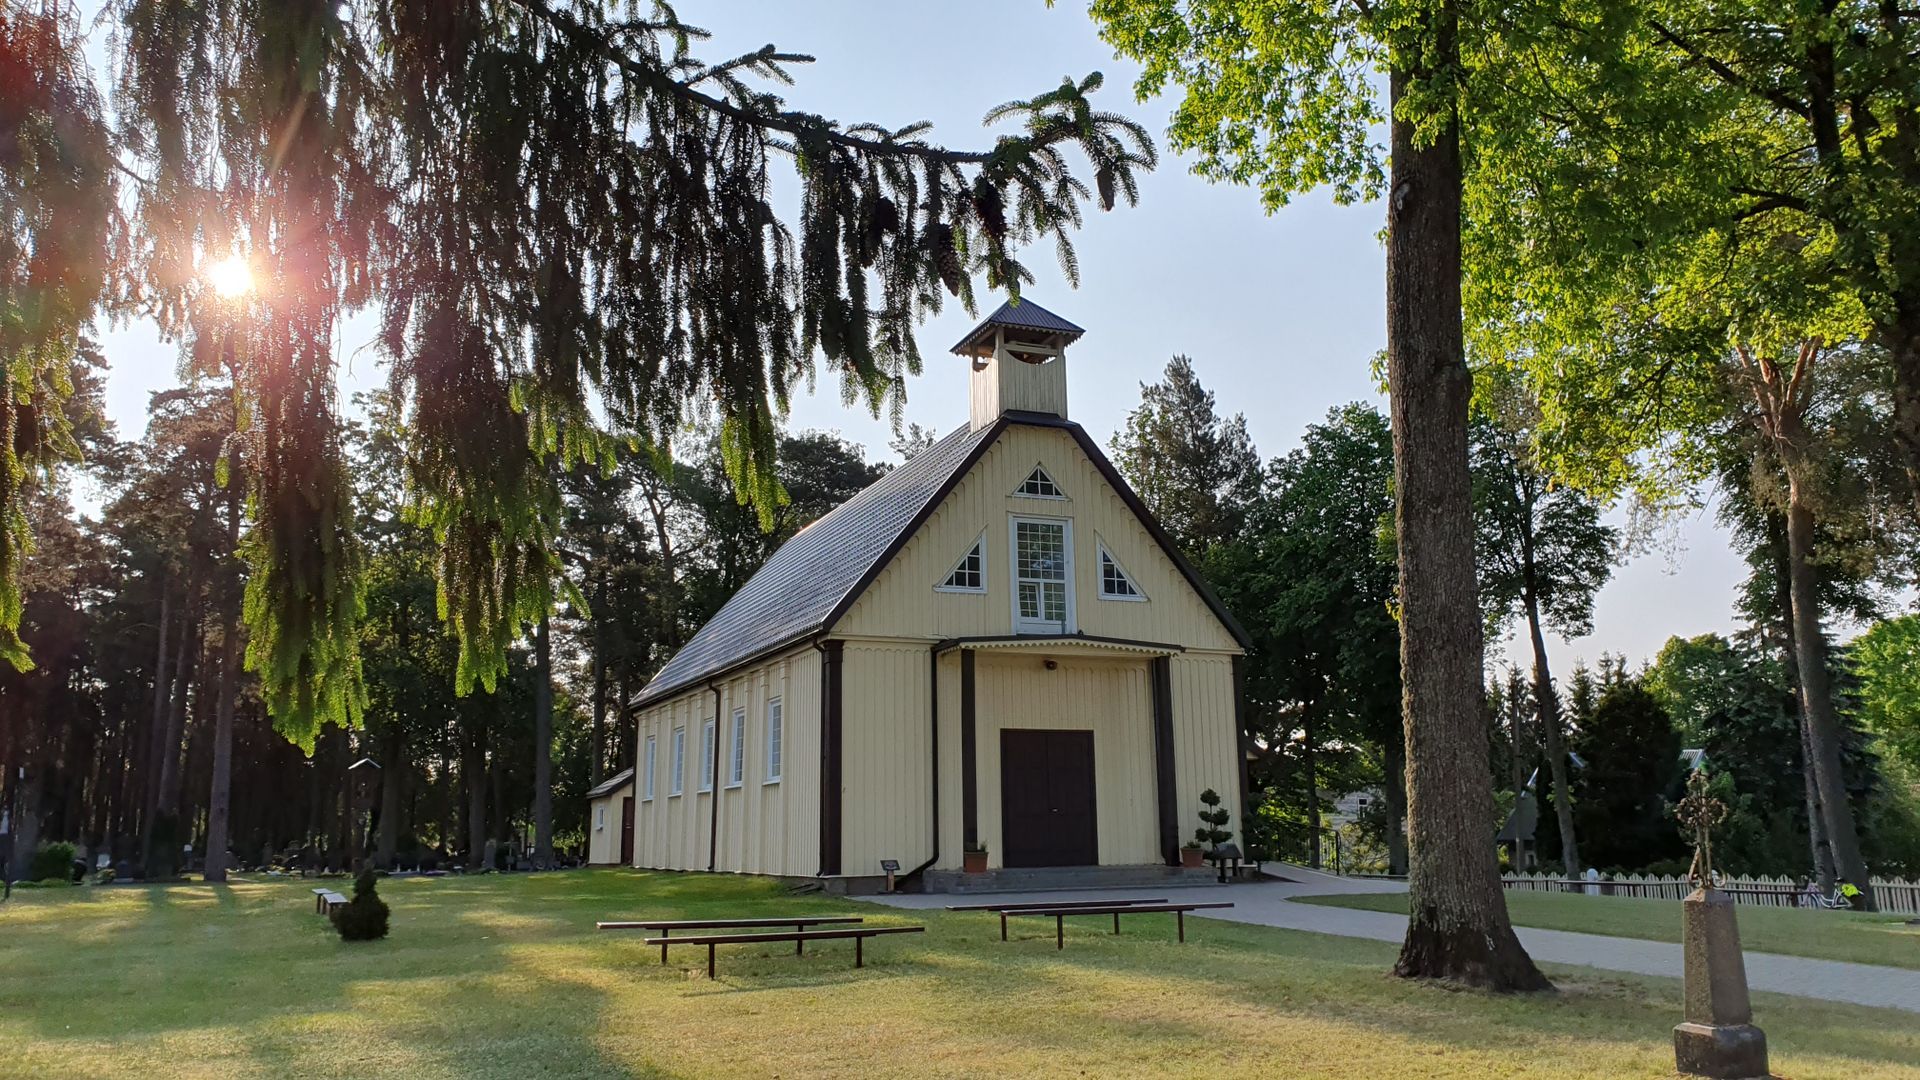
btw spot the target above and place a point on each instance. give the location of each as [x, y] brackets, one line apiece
[1699, 812]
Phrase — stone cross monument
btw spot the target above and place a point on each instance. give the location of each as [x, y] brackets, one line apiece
[1718, 1038]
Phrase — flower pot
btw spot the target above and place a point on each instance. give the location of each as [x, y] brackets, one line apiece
[1190, 857]
[975, 862]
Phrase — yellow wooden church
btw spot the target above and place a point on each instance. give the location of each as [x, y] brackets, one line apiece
[994, 647]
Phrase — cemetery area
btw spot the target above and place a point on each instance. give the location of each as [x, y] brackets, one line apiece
[1858, 937]
[505, 976]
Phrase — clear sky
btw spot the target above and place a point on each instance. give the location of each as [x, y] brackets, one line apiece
[1281, 315]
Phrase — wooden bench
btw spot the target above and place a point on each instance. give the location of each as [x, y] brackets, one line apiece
[326, 900]
[666, 927]
[798, 937]
[1003, 910]
[1059, 913]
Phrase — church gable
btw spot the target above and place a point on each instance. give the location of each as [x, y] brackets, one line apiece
[1068, 557]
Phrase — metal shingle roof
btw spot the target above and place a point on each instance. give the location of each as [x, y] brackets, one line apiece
[795, 593]
[1026, 316]
[612, 783]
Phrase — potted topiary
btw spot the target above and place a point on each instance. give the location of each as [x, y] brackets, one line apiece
[1212, 831]
[974, 859]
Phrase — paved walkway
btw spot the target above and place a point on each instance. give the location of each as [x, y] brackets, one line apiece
[1269, 904]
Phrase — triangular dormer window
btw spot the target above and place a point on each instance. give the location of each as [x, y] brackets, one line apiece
[970, 573]
[1114, 582]
[1039, 485]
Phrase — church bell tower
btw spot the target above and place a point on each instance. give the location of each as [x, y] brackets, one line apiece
[1019, 358]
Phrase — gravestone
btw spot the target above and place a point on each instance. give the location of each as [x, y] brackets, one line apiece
[1718, 1038]
[492, 848]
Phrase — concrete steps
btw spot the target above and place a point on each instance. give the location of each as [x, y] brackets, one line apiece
[1053, 878]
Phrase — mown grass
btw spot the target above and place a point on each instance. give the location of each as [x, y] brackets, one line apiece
[1860, 937]
[506, 977]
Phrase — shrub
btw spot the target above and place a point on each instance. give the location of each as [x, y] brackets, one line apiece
[52, 861]
[1212, 831]
[365, 916]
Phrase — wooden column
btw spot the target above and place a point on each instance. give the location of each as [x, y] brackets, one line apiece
[831, 656]
[969, 767]
[1165, 790]
[1241, 741]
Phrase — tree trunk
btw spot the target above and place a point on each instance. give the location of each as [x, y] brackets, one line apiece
[1517, 775]
[598, 764]
[393, 775]
[1314, 858]
[156, 733]
[1816, 825]
[220, 797]
[1547, 714]
[1903, 343]
[30, 792]
[171, 763]
[473, 771]
[1816, 698]
[1396, 800]
[1458, 928]
[543, 746]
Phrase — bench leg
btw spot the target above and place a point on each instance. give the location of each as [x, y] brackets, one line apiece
[859, 955]
[709, 961]
[799, 947]
[664, 933]
[1180, 917]
[1003, 926]
[1059, 932]
[1116, 922]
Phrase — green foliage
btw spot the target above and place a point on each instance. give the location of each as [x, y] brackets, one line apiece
[1886, 659]
[56, 219]
[564, 218]
[1196, 470]
[1213, 821]
[364, 918]
[1631, 772]
[1540, 547]
[1280, 96]
[1690, 676]
[52, 861]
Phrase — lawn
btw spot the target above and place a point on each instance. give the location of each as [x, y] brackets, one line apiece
[1827, 935]
[505, 977]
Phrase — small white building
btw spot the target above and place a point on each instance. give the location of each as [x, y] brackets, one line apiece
[610, 821]
[994, 646]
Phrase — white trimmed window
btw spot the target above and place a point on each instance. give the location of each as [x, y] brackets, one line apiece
[599, 818]
[969, 575]
[653, 762]
[775, 717]
[1114, 582]
[1043, 576]
[1039, 484]
[679, 782]
[737, 762]
[708, 731]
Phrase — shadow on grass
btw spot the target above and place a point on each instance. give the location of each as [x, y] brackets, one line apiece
[506, 976]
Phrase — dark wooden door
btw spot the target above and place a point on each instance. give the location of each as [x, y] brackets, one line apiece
[626, 831]
[1046, 799]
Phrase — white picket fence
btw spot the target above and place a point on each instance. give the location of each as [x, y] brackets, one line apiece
[1895, 895]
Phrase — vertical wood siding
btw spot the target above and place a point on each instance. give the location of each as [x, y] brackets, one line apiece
[902, 603]
[603, 844]
[886, 799]
[1107, 697]
[764, 828]
[1206, 740]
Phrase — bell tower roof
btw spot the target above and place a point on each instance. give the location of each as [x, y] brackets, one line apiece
[1019, 361]
[1023, 322]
